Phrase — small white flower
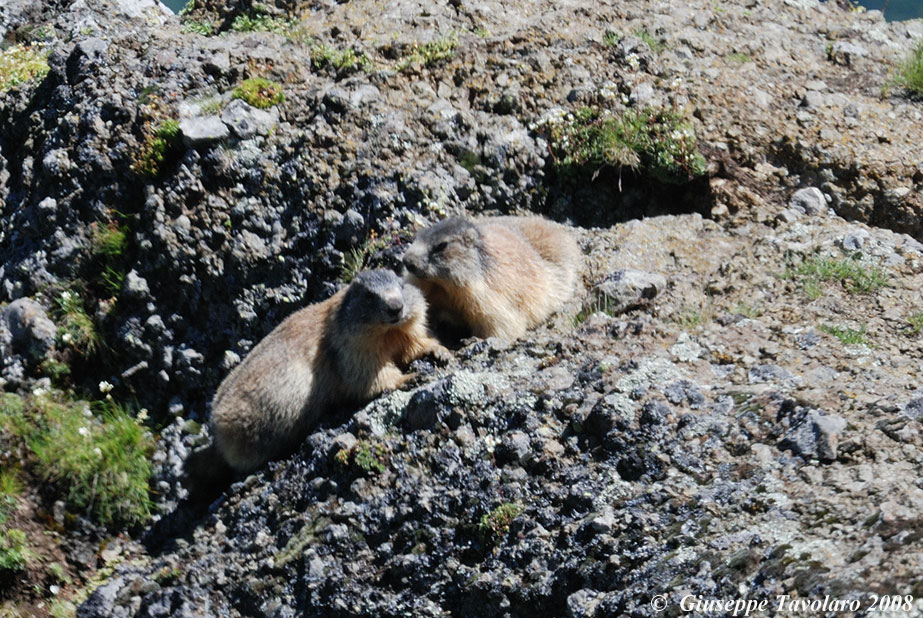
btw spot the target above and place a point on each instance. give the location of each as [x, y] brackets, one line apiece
[66, 338]
[98, 452]
[84, 431]
[105, 387]
[142, 414]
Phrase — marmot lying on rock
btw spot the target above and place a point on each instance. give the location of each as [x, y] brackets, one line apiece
[344, 350]
[498, 275]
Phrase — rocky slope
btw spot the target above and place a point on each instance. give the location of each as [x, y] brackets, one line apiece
[731, 408]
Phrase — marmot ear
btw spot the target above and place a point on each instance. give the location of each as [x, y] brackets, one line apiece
[470, 236]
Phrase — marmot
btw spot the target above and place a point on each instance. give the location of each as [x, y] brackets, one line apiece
[499, 275]
[344, 350]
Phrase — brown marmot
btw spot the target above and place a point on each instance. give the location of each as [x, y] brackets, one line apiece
[344, 350]
[499, 275]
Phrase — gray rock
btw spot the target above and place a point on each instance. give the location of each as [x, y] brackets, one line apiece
[350, 230]
[32, 333]
[816, 436]
[135, 286]
[582, 604]
[844, 52]
[247, 121]
[914, 408]
[854, 241]
[203, 131]
[627, 289]
[809, 201]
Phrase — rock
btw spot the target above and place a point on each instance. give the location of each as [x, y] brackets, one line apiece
[32, 333]
[809, 202]
[247, 121]
[582, 604]
[203, 131]
[627, 289]
[135, 286]
[817, 435]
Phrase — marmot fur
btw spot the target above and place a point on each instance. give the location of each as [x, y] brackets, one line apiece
[344, 350]
[499, 275]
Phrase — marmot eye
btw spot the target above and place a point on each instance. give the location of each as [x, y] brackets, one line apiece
[440, 247]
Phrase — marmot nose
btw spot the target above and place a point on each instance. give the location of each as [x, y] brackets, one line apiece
[394, 306]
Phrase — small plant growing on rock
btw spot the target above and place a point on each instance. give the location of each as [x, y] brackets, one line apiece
[915, 322]
[910, 72]
[204, 28]
[158, 144]
[109, 241]
[259, 92]
[76, 327]
[847, 336]
[655, 44]
[496, 524]
[261, 22]
[853, 275]
[369, 457]
[429, 54]
[22, 63]
[346, 60]
[659, 141]
[358, 259]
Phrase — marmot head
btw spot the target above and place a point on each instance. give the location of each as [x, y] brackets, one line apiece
[449, 251]
[379, 297]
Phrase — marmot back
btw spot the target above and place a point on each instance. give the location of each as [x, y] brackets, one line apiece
[344, 350]
[499, 275]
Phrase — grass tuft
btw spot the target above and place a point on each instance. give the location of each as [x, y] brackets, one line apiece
[76, 328]
[910, 72]
[847, 336]
[158, 144]
[98, 462]
[856, 277]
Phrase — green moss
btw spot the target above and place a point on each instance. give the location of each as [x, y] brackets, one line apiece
[495, 525]
[22, 63]
[910, 72]
[259, 92]
[659, 142]
[854, 276]
[739, 58]
[847, 336]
